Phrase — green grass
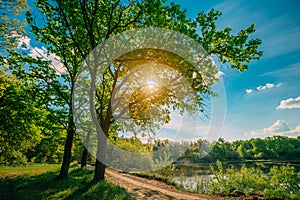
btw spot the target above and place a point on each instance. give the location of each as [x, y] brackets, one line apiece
[26, 170]
[39, 181]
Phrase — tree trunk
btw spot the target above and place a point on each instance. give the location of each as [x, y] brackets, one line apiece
[85, 151]
[100, 162]
[99, 171]
[64, 170]
[84, 157]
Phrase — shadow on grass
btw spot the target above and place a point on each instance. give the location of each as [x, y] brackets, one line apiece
[78, 185]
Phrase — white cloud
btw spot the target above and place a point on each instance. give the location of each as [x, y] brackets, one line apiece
[289, 103]
[23, 42]
[38, 52]
[56, 63]
[219, 74]
[280, 127]
[295, 131]
[248, 91]
[264, 87]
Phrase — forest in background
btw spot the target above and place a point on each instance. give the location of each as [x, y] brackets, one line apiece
[33, 134]
[270, 148]
[22, 140]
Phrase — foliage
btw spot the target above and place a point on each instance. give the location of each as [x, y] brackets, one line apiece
[11, 29]
[284, 182]
[132, 155]
[27, 133]
[281, 182]
[134, 145]
[39, 181]
[225, 181]
[271, 148]
[167, 171]
[20, 130]
[70, 30]
[236, 49]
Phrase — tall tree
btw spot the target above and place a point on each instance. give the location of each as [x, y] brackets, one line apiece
[71, 29]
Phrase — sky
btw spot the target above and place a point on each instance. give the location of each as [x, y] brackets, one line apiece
[262, 101]
[265, 100]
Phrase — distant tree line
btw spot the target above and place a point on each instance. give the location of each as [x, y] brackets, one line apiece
[270, 148]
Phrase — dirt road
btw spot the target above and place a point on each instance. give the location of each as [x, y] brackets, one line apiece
[142, 188]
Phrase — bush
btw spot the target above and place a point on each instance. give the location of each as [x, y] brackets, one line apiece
[281, 182]
[13, 157]
[284, 182]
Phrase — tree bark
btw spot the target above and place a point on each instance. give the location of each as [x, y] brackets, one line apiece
[99, 171]
[100, 162]
[101, 155]
[84, 157]
[64, 170]
[85, 151]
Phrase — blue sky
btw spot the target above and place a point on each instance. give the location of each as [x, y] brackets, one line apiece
[264, 100]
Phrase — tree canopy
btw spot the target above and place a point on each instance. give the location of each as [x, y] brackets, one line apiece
[71, 30]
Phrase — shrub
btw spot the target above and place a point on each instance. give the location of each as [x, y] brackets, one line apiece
[284, 182]
[281, 182]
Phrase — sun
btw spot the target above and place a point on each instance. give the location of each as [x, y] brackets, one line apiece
[151, 84]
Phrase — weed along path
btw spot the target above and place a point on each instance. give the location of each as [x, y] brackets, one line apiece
[142, 188]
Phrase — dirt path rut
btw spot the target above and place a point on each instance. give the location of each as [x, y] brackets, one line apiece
[142, 188]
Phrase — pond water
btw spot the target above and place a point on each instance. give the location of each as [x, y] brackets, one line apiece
[194, 176]
[193, 183]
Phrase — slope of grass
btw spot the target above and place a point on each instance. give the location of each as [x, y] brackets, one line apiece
[39, 181]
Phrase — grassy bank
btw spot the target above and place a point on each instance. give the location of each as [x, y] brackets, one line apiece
[39, 181]
[278, 183]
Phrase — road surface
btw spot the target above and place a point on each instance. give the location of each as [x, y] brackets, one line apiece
[142, 188]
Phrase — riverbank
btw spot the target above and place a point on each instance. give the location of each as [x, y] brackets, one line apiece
[276, 182]
[150, 188]
[39, 181]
